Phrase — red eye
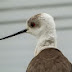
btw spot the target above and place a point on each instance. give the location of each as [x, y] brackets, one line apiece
[32, 24]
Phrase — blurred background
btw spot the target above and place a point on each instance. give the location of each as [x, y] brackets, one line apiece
[16, 52]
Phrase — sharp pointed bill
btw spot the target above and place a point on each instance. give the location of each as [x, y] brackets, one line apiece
[20, 32]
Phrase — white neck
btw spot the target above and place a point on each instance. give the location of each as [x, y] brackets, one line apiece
[46, 41]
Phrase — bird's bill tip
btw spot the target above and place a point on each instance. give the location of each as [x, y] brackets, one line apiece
[20, 32]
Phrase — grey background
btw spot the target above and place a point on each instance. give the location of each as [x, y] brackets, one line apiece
[16, 52]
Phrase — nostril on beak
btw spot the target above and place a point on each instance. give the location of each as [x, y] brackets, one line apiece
[20, 32]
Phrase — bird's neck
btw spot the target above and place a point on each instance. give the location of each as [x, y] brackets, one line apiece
[45, 41]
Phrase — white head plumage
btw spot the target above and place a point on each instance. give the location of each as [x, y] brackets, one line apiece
[42, 26]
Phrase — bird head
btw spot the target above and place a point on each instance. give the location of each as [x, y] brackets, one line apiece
[41, 24]
[38, 25]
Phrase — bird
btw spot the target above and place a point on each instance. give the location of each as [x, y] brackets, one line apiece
[47, 57]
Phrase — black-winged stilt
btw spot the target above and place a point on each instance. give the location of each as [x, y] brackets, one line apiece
[47, 57]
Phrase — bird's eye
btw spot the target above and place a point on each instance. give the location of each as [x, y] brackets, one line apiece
[32, 24]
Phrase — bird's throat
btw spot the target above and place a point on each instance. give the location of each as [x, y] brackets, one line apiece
[44, 43]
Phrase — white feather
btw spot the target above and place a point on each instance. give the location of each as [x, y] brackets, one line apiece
[46, 35]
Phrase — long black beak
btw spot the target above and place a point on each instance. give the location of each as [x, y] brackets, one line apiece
[20, 32]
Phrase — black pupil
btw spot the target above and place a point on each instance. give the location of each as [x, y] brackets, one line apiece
[32, 24]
